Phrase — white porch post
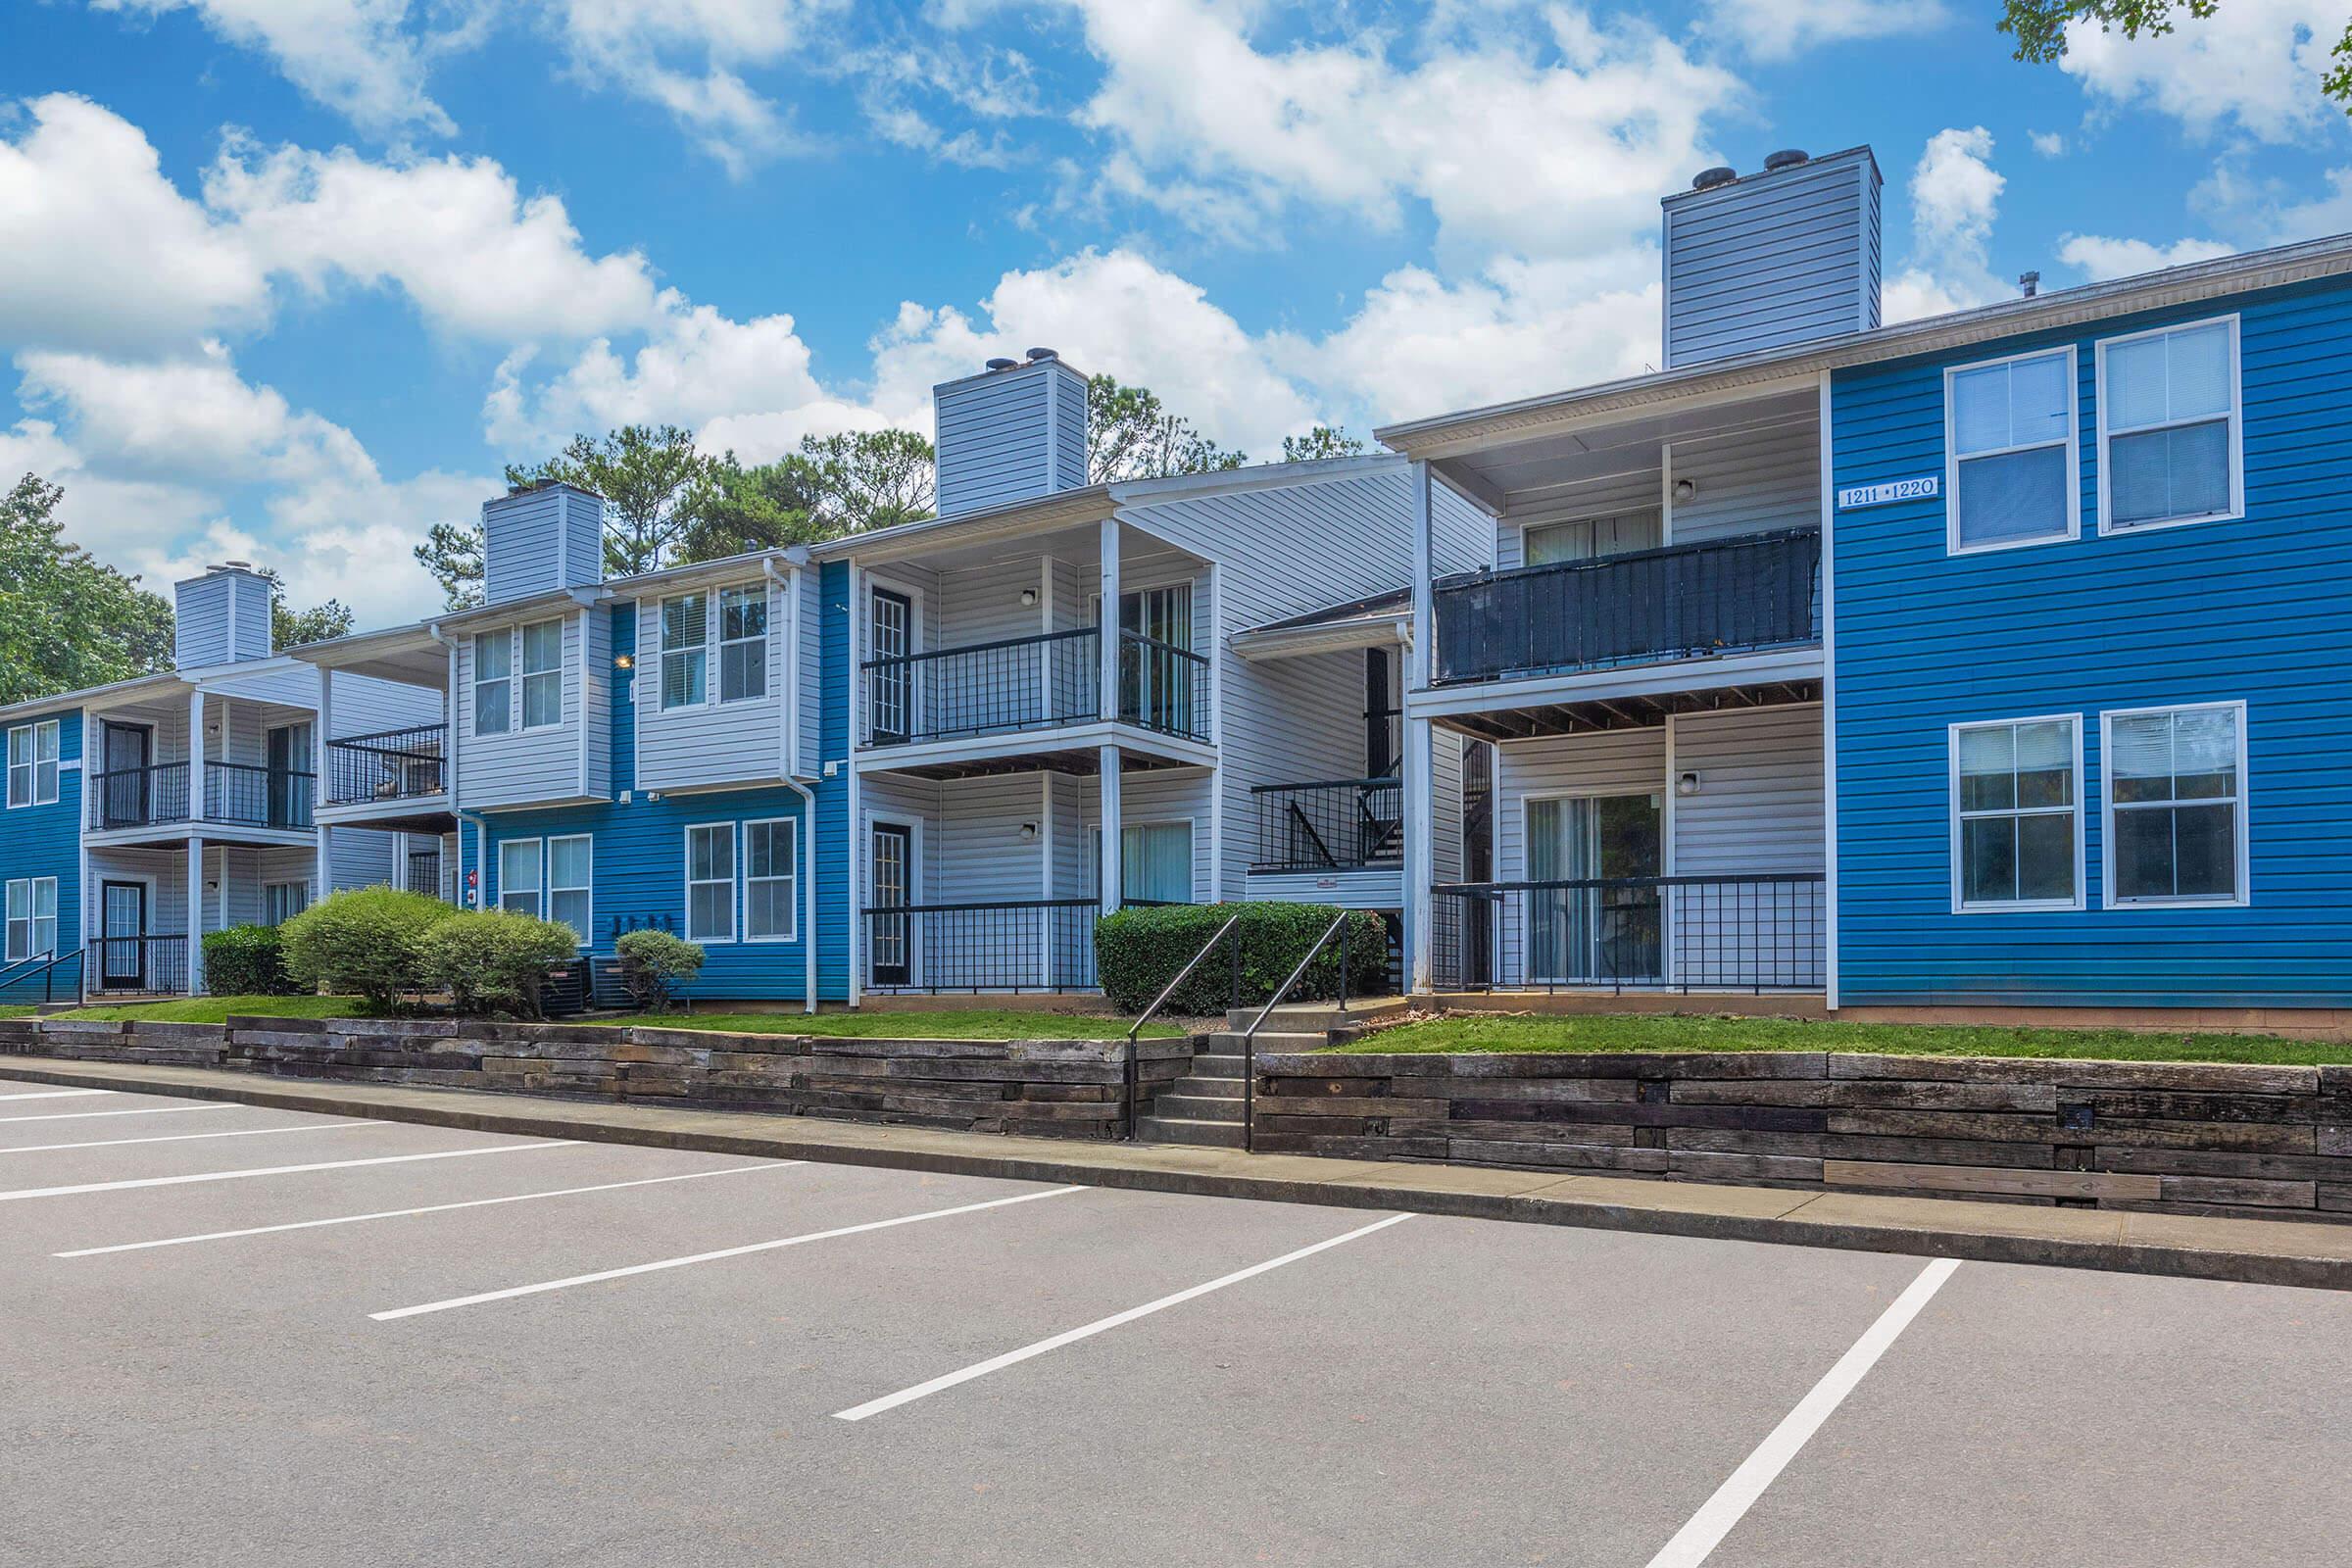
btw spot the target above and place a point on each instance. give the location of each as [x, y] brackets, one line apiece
[1420, 823]
[196, 756]
[321, 766]
[1113, 872]
[1107, 620]
[195, 916]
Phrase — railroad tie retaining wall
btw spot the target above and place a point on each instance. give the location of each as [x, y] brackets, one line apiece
[2176, 1137]
[1057, 1088]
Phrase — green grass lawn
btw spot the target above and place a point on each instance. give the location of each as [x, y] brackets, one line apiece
[963, 1023]
[1597, 1031]
[18, 1012]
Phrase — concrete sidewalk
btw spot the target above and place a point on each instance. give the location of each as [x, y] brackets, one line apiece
[2248, 1251]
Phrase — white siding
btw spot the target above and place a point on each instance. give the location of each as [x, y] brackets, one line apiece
[517, 769]
[541, 540]
[1775, 259]
[1009, 435]
[1628, 761]
[1760, 806]
[1750, 481]
[710, 742]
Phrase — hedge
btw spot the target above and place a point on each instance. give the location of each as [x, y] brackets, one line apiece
[655, 966]
[496, 959]
[368, 941]
[247, 961]
[1137, 951]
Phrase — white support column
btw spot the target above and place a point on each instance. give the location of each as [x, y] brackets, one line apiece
[195, 916]
[196, 769]
[1420, 820]
[1113, 872]
[1107, 622]
[323, 876]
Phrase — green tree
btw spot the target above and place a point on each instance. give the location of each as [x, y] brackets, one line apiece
[873, 478]
[833, 485]
[1131, 435]
[1323, 441]
[2040, 28]
[66, 621]
[651, 477]
[292, 628]
[452, 553]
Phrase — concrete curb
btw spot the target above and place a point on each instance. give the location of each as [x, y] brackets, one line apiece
[2242, 1250]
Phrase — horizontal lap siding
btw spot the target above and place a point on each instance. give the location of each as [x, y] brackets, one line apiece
[1760, 806]
[166, 869]
[1628, 762]
[366, 706]
[200, 625]
[1769, 261]
[1748, 482]
[516, 769]
[2247, 610]
[710, 742]
[45, 841]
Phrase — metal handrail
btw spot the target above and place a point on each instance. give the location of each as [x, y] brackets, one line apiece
[10, 973]
[1032, 639]
[1249, 1035]
[50, 963]
[1325, 784]
[1133, 1075]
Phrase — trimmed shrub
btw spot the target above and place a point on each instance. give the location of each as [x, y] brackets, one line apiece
[495, 959]
[365, 941]
[1137, 951]
[653, 965]
[247, 961]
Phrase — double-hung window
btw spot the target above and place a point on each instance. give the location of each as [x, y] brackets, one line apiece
[2017, 814]
[710, 882]
[2169, 427]
[742, 643]
[2009, 429]
[685, 650]
[31, 918]
[32, 758]
[283, 901]
[542, 674]
[770, 880]
[518, 877]
[570, 882]
[493, 681]
[2176, 804]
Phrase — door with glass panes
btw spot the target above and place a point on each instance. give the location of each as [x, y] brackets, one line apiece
[891, 937]
[1594, 914]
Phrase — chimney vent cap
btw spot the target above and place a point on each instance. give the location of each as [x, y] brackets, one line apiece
[1709, 179]
[1787, 158]
[1036, 355]
[1000, 363]
[234, 565]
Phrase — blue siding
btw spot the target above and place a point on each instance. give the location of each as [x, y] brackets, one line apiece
[833, 910]
[2253, 610]
[37, 841]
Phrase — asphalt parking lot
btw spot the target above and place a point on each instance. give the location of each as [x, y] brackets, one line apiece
[231, 1335]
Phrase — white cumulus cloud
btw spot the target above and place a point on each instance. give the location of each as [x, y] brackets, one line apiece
[2255, 67]
[2098, 257]
[1778, 30]
[1955, 196]
[358, 56]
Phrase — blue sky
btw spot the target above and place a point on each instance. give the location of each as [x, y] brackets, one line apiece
[293, 278]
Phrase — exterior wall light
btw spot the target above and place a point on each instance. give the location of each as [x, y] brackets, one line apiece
[624, 661]
[1686, 784]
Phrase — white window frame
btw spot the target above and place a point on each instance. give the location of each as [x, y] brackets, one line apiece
[301, 882]
[506, 724]
[722, 642]
[538, 848]
[1590, 522]
[734, 881]
[548, 889]
[2243, 801]
[2079, 810]
[523, 677]
[49, 729]
[1952, 458]
[790, 877]
[2237, 430]
[662, 651]
[31, 920]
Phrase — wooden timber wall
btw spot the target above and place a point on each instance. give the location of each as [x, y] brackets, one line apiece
[1053, 1088]
[2176, 1137]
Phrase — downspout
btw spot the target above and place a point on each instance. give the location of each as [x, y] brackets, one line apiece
[788, 762]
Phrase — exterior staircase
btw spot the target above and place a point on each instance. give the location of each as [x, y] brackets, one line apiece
[1204, 1106]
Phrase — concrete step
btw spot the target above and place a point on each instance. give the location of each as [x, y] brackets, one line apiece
[1218, 1064]
[1180, 1130]
[1202, 1086]
[1198, 1107]
[1230, 1041]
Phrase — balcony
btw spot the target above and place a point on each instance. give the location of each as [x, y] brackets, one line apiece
[1029, 945]
[394, 765]
[236, 795]
[1754, 933]
[1682, 601]
[1334, 826]
[1025, 684]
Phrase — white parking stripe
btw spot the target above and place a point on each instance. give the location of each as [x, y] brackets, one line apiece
[188, 1138]
[1694, 1542]
[711, 1258]
[58, 1093]
[143, 1110]
[429, 1209]
[996, 1364]
[278, 1170]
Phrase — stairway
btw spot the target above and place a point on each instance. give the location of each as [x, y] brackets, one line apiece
[1204, 1106]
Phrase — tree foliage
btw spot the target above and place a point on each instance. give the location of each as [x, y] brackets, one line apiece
[452, 553]
[1323, 441]
[66, 621]
[833, 485]
[1131, 435]
[2040, 28]
[293, 628]
[652, 478]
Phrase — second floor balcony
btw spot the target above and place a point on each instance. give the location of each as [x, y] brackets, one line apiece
[1022, 684]
[394, 765]
[233, 794]
[1756, 592]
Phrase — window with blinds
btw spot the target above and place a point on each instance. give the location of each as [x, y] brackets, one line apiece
[2010, 430]
[2017, 814]
[1590, 538]
[2169, 433]
[2176, 806]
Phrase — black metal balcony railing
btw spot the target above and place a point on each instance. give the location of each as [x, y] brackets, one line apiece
[393, 764]
[1337, 824]
[236, 794]
[138, 963]
[1035, 945]
[1032, 683]
[1648, 605]
[1019, 683]
[1762, 932]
